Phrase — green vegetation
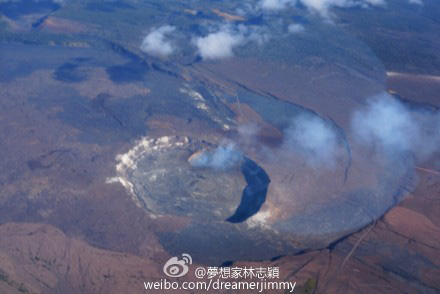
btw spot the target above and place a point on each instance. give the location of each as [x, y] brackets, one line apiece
[309, 287]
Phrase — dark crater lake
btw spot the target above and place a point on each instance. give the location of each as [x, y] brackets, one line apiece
[254, 194]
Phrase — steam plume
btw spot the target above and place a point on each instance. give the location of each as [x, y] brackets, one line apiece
[389, 125]
[313, 138]
[222, 158]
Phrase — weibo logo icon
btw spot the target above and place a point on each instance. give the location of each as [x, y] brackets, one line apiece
[176, 267]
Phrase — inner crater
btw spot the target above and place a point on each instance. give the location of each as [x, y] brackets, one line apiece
[164, 181]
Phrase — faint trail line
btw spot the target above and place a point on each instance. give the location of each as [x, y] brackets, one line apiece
[335, 274]
[431, 171]
[324, 76]
[363, 236]
[357, 244]
[239, 106]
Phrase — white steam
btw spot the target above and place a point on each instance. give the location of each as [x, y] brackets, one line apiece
[314, 138]
[222, 158]
[391, 126]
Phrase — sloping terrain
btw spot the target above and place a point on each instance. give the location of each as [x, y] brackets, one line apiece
[98, 185]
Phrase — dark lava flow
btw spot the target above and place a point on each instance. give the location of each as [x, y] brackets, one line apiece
[254, 194]
[129, 72]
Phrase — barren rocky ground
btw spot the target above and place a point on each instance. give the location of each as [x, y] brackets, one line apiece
[108, 163]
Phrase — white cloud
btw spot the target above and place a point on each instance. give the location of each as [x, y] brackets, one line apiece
[295, 28]
[60, 2]
[375, 2]
[321, 7]
[275, 4]
[220, 44]
[417, 2]
[156, 43]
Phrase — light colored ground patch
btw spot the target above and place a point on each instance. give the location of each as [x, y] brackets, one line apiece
[60, 25]
[201, 103]
[128, 161]
[259, 219]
